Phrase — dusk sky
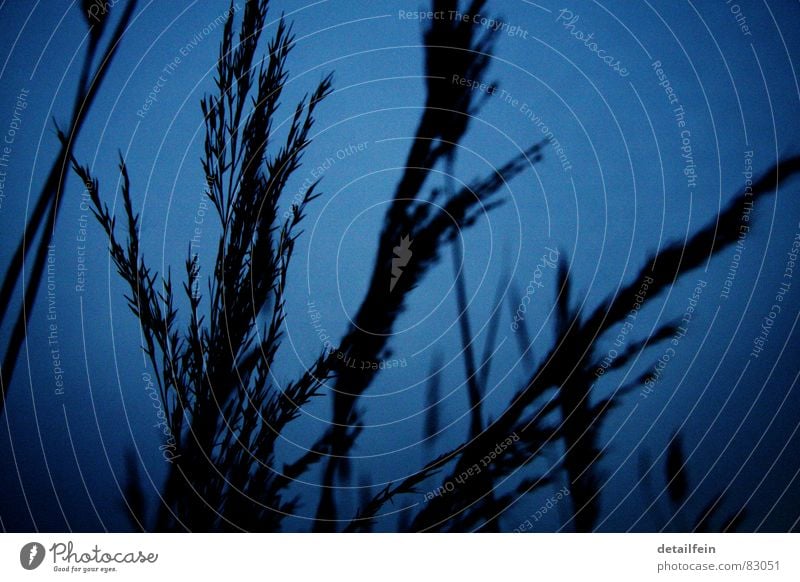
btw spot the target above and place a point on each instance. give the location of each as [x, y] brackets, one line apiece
[652, 116]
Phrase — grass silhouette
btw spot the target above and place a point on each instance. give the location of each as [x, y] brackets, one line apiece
[224, 405]
[42, 221]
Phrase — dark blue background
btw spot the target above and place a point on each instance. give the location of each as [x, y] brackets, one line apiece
[61, 456]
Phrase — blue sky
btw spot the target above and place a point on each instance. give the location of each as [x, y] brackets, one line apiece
[624, 195]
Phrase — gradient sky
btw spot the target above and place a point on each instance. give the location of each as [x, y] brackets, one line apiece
[624, 196]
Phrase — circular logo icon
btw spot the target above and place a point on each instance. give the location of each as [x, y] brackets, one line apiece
[31, 555]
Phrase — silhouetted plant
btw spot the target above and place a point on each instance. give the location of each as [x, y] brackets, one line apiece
[565, 375]
[42, 221]
[214, 377]
[224, 407]
[676, 480]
